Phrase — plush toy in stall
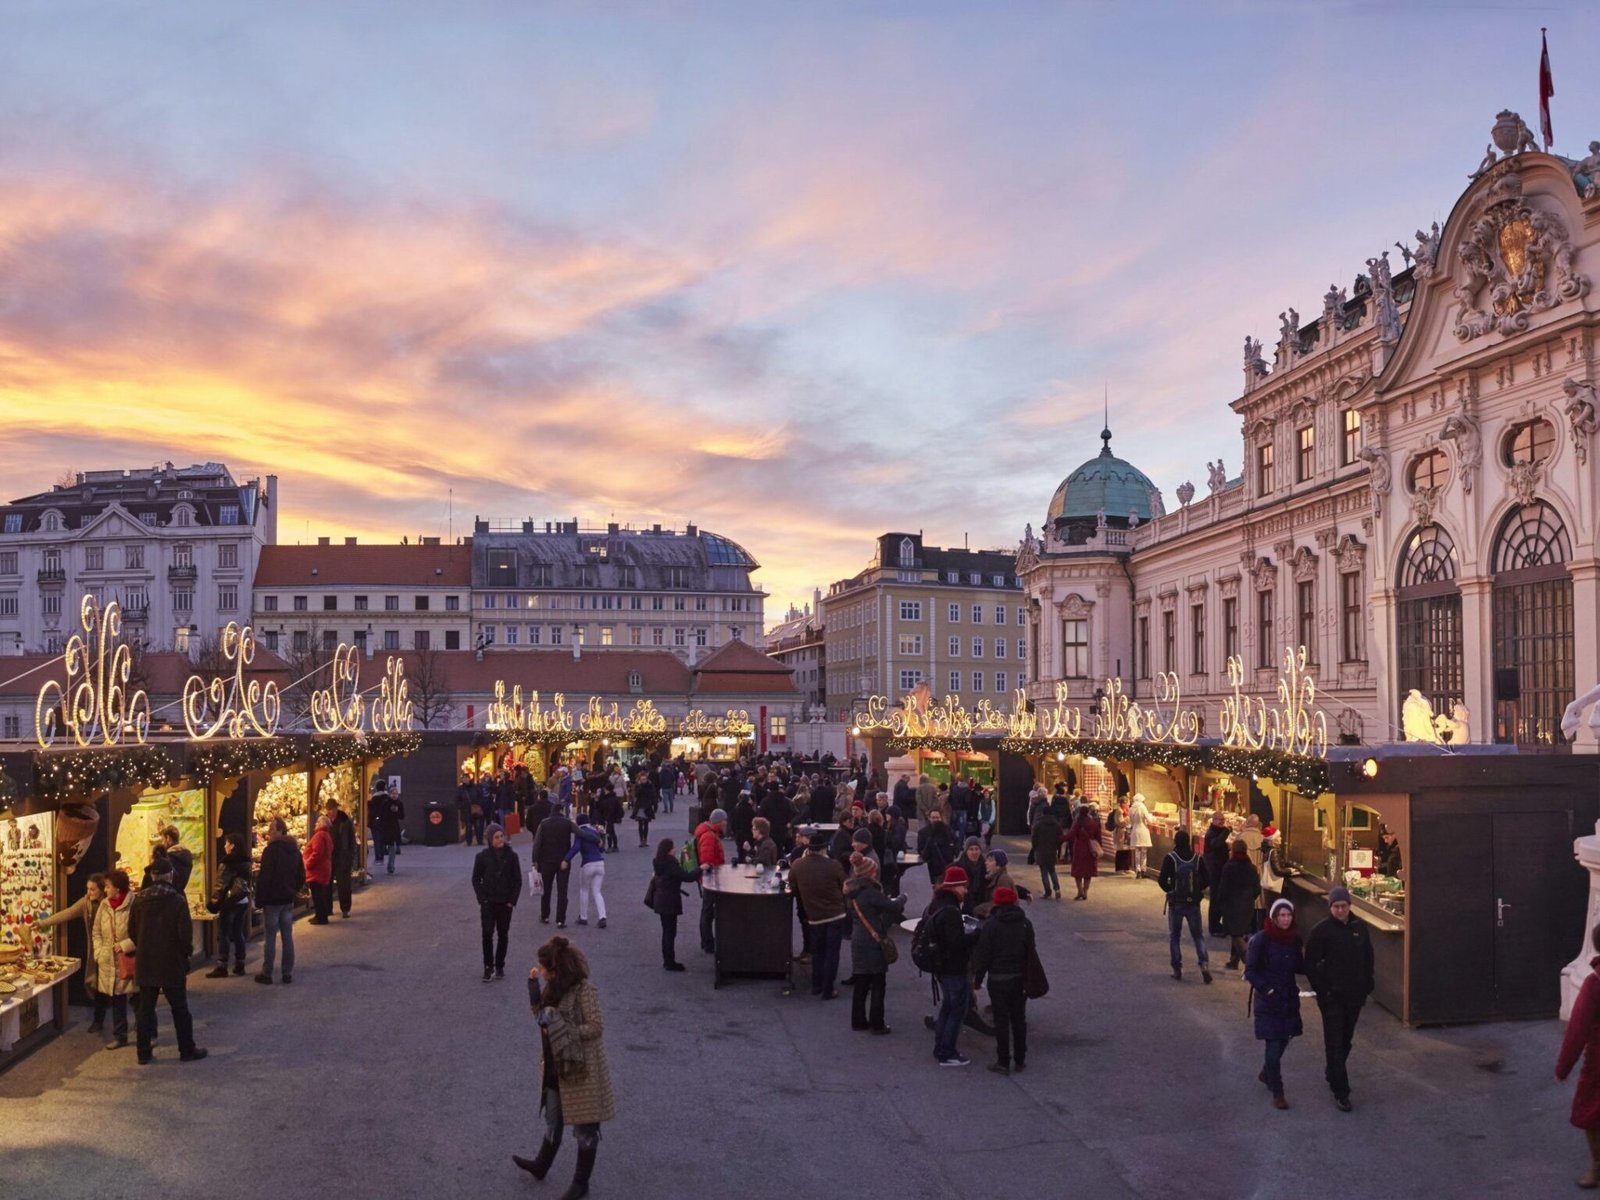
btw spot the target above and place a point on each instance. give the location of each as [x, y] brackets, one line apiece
[1417, 719]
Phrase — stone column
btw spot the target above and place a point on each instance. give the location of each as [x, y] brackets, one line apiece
[1587, 851]
[1585, 643]
[1477, 659]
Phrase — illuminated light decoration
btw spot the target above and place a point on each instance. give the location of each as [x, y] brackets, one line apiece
[9, 789]
[1119, 718]
[1295, 727]
[108, 769]
[735, 724]
[231, 759]
[502, 714]
[392, 745]
[599, 721]
[644, 719]
[94, 704]
[1369, 768]
[1026, 726]
[338, 708]
[241, 708]
[392, 711]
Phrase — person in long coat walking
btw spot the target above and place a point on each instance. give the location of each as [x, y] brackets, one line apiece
[1583, 1038]
[1085, 840]
[667, 900]
[575, 1090]
[1139, 839]
[1043, 839]
[1234, 897]
[1215, 851]
[1271, 962]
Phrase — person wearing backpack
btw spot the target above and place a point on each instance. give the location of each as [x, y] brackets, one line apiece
[942, 947]
[1183, 878]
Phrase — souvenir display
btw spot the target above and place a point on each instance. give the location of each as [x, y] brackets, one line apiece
[340, 786]
[282, 796]
[27, 884]
[139, 830]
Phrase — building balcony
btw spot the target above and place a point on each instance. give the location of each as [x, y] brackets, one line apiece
[140, 612]
[188, 572]
[52, 575]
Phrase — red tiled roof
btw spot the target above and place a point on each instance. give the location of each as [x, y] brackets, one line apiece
[743, 681]
[739, 658]
[373, 566]
[598, 672]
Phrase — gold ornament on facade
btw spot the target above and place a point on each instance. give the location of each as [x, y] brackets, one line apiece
[338, 708]
[94, 705]
[243, 708]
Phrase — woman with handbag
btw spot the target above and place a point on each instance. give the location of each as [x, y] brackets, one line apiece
[574, 1079]
[667, 900]
[113, 954]
[231, 903]
[871, 914]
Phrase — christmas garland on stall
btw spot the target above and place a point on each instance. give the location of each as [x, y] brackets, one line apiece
[1308, 776]
[77, 772]
[392, 745]
[335, 750]
[231, 759]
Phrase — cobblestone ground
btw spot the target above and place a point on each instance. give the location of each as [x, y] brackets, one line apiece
[389, 1069]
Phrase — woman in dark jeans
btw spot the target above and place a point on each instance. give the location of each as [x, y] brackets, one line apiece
[668, 901]
[232, 899]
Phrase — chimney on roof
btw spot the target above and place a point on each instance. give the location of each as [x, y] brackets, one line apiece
[349, 541]
[427, 541]
[527, 527]
[611, 528]
[656, 528]
[322, 541]
[547, 526]
[690, 531]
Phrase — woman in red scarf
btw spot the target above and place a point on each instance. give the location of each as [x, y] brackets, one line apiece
[1583, 1038]
[1271, 962]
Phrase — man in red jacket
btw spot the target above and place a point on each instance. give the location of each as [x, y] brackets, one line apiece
[708, 846]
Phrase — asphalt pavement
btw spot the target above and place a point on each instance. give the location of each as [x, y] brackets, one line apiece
[388, 1069]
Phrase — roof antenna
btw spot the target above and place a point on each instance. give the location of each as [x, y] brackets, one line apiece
[1105, 432]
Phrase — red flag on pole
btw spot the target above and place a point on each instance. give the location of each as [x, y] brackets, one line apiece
[1547, 88]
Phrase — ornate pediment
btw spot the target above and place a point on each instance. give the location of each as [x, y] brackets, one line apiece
[1264, 575]
[1228, 587]
[1514, 260]
[1075, 607]
[1303, 564]
[1169, 601]
[1350, 555]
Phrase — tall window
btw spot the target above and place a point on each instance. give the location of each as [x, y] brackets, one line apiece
[1533, 623]
[1350, 446]
[955, 646]
[1305, 617]
[1144, 648]
[1305, 453]
[1197, 638]
[133, 558]
[1264, 469]
[1230, 627]
[1352, 619]
[420, 639]
[954, 613]
[977, 647]
[1169, 641]
[1075, 649]
[911, 610]
[1266, 639]
[1428, 636]
[228, 554]
[977, 681]
[908, 552]
[977, 614]
[94, 558]
[955, 681]
[183, 555]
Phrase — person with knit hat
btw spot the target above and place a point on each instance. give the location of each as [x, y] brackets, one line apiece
[1339, 966]
[1005, 942]
[497, 883]
[1271, 962]
[948, 934]
[872, 915]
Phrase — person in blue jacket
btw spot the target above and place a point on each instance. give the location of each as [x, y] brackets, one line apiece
[1271, 962]
[588, 855]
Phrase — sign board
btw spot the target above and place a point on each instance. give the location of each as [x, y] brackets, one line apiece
[1361, 860]
[394, 784]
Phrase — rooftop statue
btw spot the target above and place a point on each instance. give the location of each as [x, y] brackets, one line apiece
[1387, 312]
[1216, 476]
[1253, 361]
[1586, 172]
[1427, 252]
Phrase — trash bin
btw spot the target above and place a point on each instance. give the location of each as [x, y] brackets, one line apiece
[440, 827]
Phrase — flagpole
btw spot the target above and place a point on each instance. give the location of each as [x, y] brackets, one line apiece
[1547, 88]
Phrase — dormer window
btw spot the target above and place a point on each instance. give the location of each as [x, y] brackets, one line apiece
[908, 552]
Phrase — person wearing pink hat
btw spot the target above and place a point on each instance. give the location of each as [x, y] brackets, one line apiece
[1005, 943]
[951, 947]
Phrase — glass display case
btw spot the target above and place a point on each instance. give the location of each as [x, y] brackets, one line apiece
[283, 795]
[140, 828]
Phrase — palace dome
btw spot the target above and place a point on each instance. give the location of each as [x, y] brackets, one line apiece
[1105, 484]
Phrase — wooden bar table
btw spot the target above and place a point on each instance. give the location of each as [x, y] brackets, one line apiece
[754, 922]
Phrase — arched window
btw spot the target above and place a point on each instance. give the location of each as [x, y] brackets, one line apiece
[1529, 442]
[908, 552]
[1428, 639]
[1534, 656]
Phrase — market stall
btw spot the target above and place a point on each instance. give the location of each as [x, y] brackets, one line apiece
[33, 973]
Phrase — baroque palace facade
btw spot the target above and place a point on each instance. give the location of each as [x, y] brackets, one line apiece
[1416, 507]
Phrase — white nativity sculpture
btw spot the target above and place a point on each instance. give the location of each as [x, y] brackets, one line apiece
[1420, 724]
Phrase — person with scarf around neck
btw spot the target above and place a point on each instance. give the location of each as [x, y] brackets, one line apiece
[1271, 962]
[1583, 1039]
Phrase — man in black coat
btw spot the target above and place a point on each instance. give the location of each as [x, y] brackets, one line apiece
[1005, 943]
[954, 947]
[779, 812]
[823, 798]
[1339, 966]
[497, 883]
[163, 937]
[387, 813]
[343, 831]
[551, 841]
[937, 845]
[181, 857]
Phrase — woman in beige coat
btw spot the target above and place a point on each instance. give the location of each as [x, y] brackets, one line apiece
[567, 1005]
[110, 941]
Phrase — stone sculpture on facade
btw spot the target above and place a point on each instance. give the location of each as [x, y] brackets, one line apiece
[1463, 431]
[1386, 311]
[1405, 254]
[1586, 172]
[1524, 482]
[1581, 415]
[1185, 492]
[1289, 328]
[1511, 133]
[1522, 258]
[1381, 480]
[1484, 167]
[1333, 302]
[1427, 255]
[1423, 503]
[1254, 363]
[1216, 476]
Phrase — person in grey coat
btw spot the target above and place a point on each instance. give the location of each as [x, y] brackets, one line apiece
[872, 916]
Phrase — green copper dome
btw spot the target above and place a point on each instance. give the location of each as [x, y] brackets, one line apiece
[1105, 484]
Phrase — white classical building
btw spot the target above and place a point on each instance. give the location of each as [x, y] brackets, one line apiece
[177, 546]
[1417, 506]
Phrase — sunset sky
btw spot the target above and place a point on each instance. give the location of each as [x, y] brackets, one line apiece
[797, 272]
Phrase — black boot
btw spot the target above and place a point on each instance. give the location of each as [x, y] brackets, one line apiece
[539, 1167]
[580, 1177]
